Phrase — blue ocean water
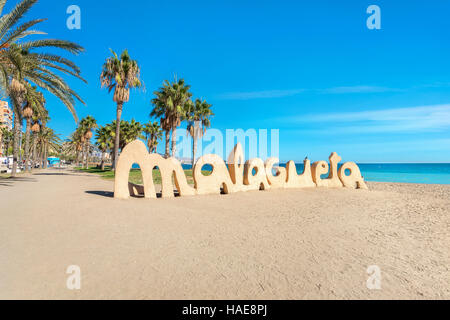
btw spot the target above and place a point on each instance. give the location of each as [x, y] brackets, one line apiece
[424, 173]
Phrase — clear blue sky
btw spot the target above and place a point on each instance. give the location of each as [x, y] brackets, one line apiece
[309, 68]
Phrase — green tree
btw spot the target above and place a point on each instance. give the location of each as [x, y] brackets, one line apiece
[35, 129]
[170, 105]
[198, 116]
[153, 134]
[129, 131]
[121, 75]
[74, 146]
[49, 143]
[105, 142]
[22, 63]
[86, 126]
[132, 130]
[34, 104]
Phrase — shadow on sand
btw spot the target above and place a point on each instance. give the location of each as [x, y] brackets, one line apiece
[106, 194]
[8, 182]
[53, 174]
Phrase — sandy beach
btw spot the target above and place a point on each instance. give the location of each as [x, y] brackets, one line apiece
[281, 244]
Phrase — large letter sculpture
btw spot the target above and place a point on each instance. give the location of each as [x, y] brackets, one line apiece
[239, 176]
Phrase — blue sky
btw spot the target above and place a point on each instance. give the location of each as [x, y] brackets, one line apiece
[311, 69]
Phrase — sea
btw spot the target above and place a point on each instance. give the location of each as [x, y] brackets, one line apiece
[423, 173]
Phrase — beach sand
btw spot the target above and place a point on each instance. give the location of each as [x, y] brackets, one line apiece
[280, 244]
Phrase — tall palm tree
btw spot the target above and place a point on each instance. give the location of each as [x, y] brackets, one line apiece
[121, 75]
[35, 129]
[35, 104]
[22, 63]
[153, 134]
[86, 126]
[44, 119]
[170, 106]
[161, 111]
[198, 116]
[17, 92]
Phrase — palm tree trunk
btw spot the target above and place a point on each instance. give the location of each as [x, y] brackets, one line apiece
[117, 141]
[41, 165]
[20, 145]
[153, 145]
[86, 163]
[194, 142]
[167, 143]
[27, 146]
[45, 155]
[38, 156]
[34, 149]
[194, 151]
[174, 141]
[102, 166]
[149, 144]
[15, 144]
[112, 159]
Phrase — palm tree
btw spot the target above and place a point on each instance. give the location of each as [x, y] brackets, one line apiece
[129, 132]
[170, 106]
[34, 105]
[198, 116]
[104, 142]
[153, 134]
[86, 126]
[121, 75]
[33, 72]
[21, 64]
[49, 143]
[161, 111]
[16, 92]
[35, 129]
[74, 145]
[44, 119]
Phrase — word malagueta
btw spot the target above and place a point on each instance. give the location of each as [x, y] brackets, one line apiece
[239, 176]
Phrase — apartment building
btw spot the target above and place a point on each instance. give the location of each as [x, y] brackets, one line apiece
[6, 121]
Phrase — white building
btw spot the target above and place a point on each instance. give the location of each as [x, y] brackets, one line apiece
[6, 120]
